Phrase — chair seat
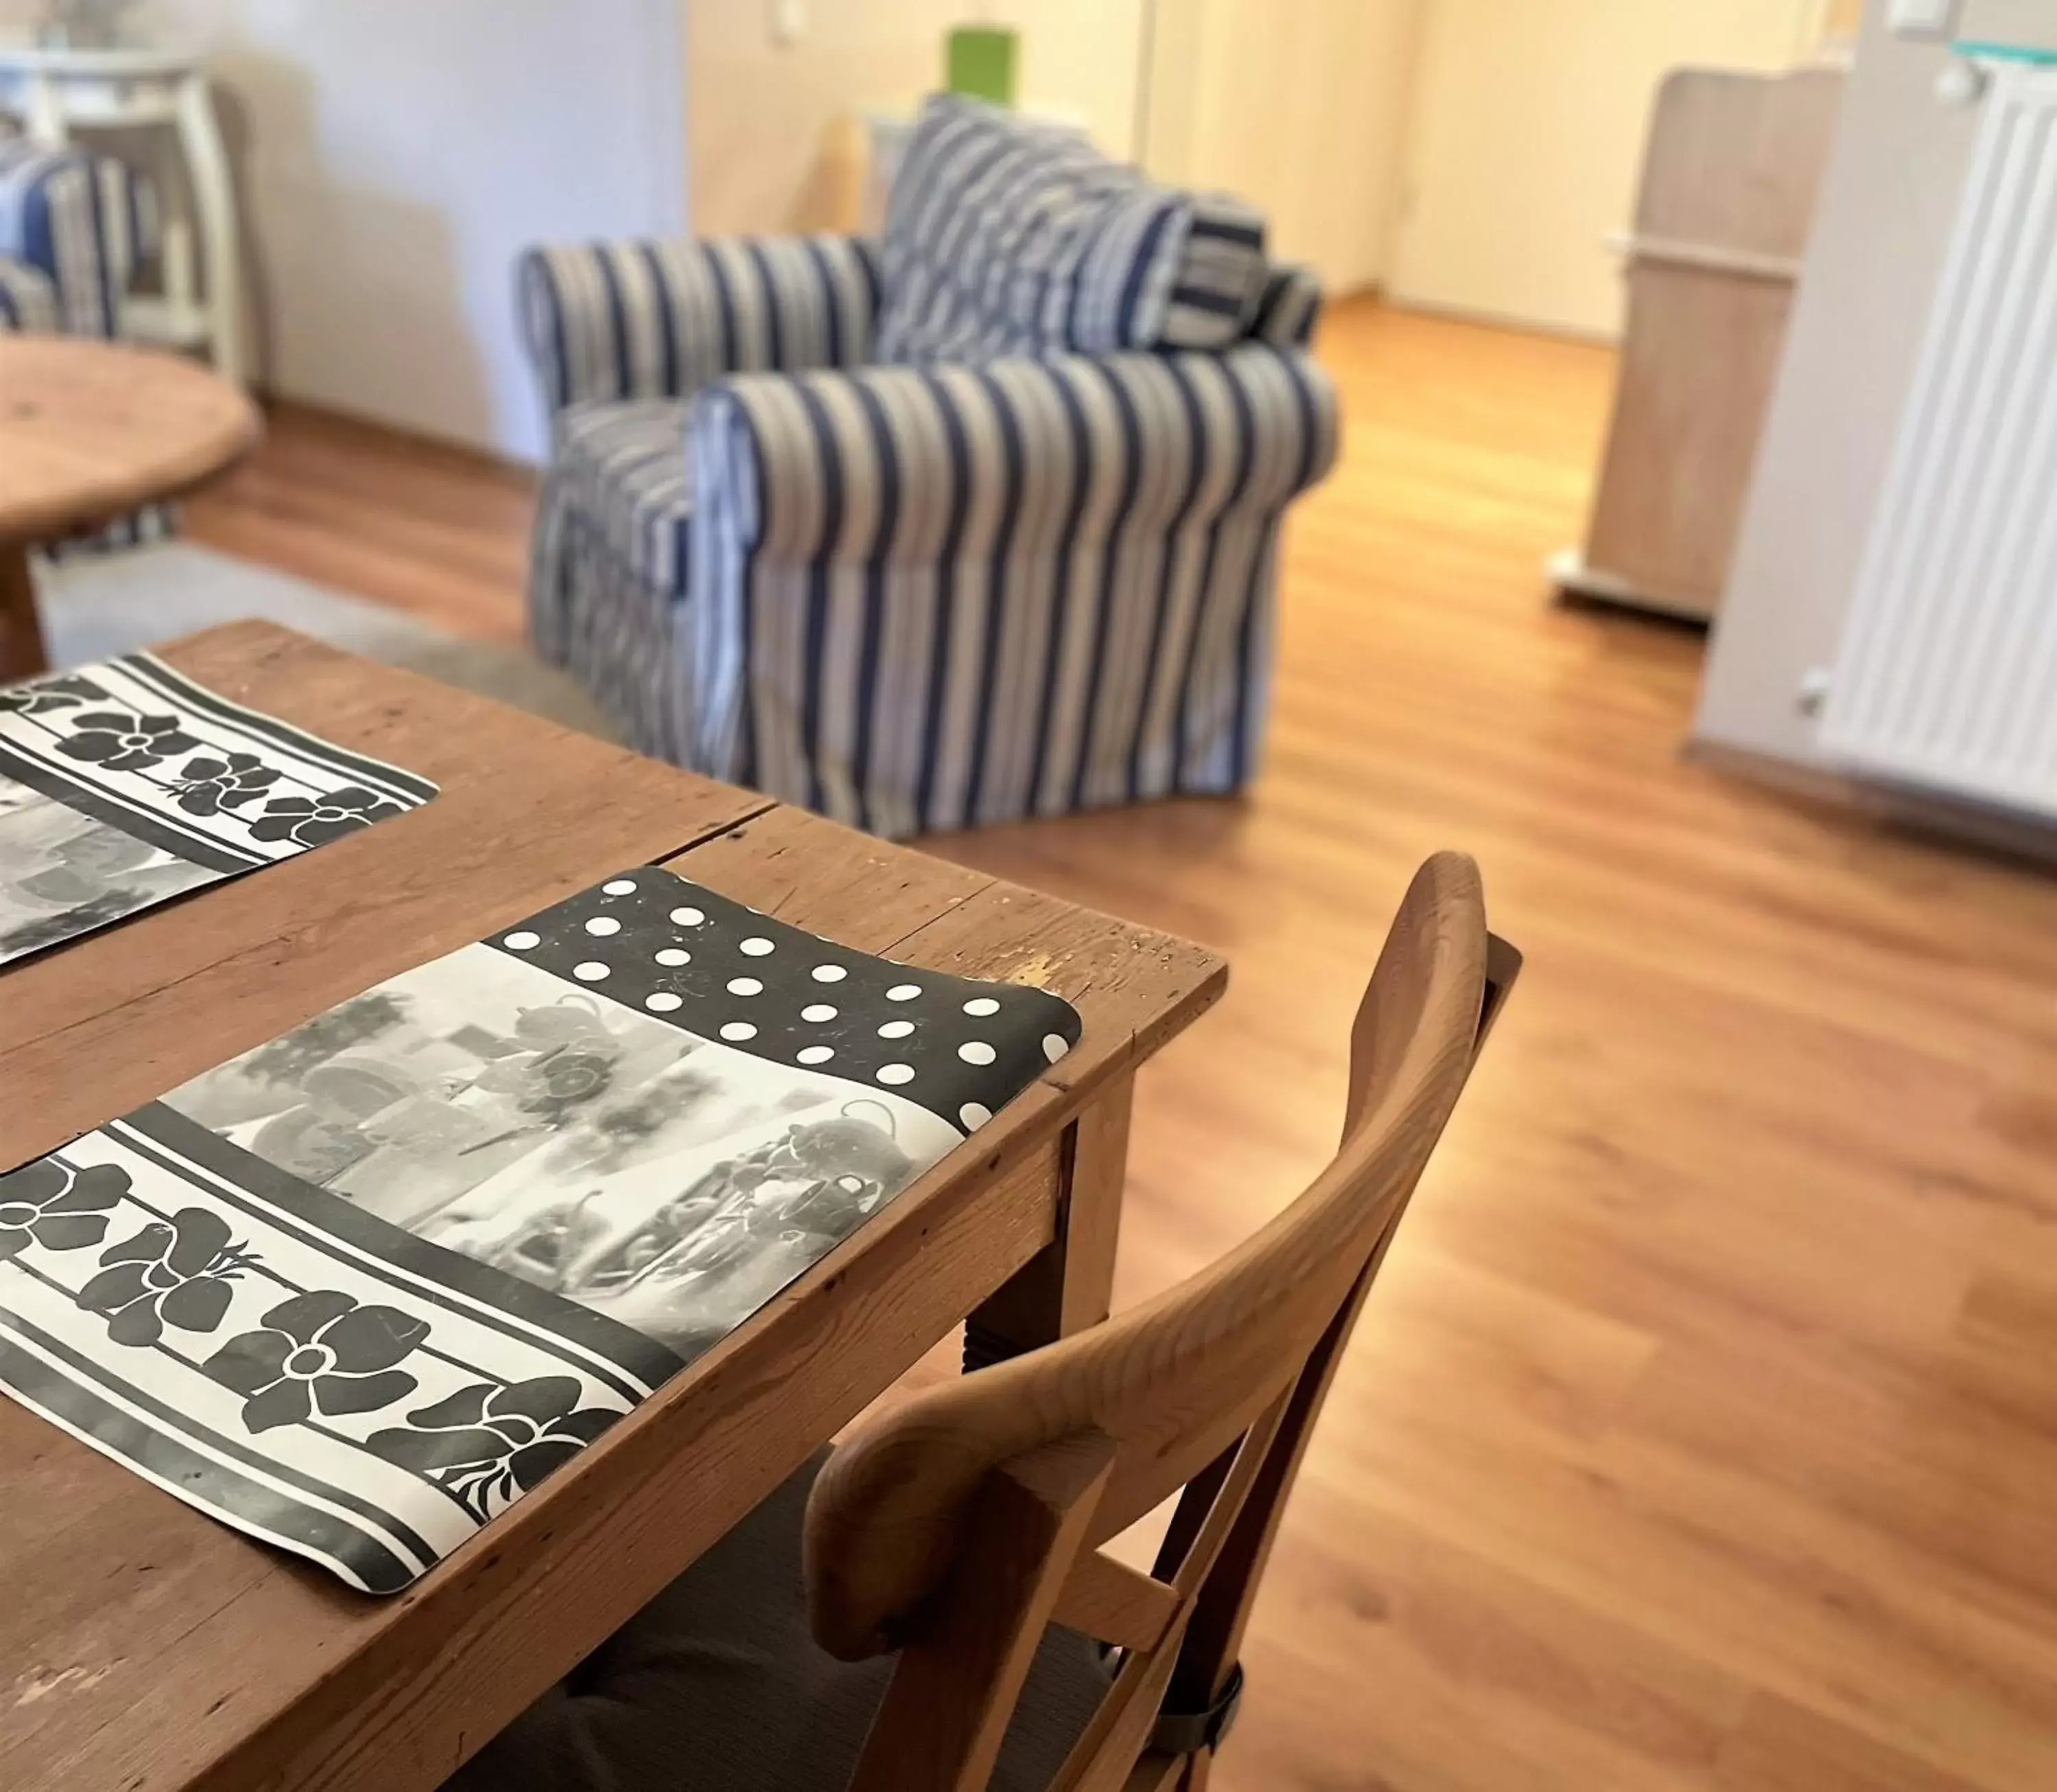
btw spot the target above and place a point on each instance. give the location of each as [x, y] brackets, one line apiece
[716, 1686]
[623, 468]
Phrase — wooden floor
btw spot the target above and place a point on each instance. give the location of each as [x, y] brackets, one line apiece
[1701, 1434]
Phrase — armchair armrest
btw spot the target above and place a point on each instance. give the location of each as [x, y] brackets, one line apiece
[926, 597]
[910, 465]
[660, 320]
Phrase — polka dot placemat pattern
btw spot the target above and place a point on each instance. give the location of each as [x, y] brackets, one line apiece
[652, 941]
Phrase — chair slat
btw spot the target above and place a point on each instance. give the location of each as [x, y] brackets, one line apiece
[1113, 1602]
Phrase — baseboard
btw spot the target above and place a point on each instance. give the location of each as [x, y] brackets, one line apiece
[1897, 809]
[1500, 320]
[414, 442]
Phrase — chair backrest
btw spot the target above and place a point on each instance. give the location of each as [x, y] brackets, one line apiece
[1006, 236]
[958, 1527]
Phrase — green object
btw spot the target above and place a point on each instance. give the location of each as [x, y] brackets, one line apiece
[2006, 53]
[979, 60]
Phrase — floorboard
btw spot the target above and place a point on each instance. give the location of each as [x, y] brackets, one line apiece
[1701, 1434]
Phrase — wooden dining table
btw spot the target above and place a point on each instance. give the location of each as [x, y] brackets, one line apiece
[89, 430]
[146, 1647]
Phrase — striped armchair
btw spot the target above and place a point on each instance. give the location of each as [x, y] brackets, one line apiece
[73, 230]
[977, 522]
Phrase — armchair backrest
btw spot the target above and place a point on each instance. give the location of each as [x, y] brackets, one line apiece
[1004, 236]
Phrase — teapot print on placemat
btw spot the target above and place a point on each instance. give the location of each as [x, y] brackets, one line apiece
[569, 1058]
[817, 1179]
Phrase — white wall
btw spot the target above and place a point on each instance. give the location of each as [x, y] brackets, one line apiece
[1296, 105]
[1300, 106]
[775, 137]
[1528, 120]
[401, 152]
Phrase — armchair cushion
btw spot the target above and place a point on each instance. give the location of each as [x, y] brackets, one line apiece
[1005, 237]
[621, 467]
[607, 578]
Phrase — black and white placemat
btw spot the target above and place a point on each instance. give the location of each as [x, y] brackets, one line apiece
[356, 1290]
[123, 785]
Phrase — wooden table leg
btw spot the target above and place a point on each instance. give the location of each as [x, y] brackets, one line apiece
[22, 654]
[1069, 1284]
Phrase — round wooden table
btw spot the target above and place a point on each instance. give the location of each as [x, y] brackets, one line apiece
[88, 430]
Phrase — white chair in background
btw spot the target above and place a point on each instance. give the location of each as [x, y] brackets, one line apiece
[54, 89]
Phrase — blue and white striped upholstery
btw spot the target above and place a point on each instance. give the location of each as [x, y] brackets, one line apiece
[28, 298]
[1004, 237]
[623, 334]
[1221, 276]
[610, 552]
[51, 218]
[1287, 307]
[944, 596]
[607, 577]
[925, 593]
[651, 320]
[623, 467]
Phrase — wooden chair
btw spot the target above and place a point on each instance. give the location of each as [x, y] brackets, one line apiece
[959, 1535]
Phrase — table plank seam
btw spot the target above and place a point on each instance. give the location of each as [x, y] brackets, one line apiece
[713, 833]
[949, 908]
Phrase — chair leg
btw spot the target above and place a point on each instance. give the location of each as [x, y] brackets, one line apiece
[1199, 1768]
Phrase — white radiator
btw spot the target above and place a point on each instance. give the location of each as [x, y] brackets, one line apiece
[1947, 672]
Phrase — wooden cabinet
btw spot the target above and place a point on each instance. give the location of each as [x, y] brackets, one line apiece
[1727, 195]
